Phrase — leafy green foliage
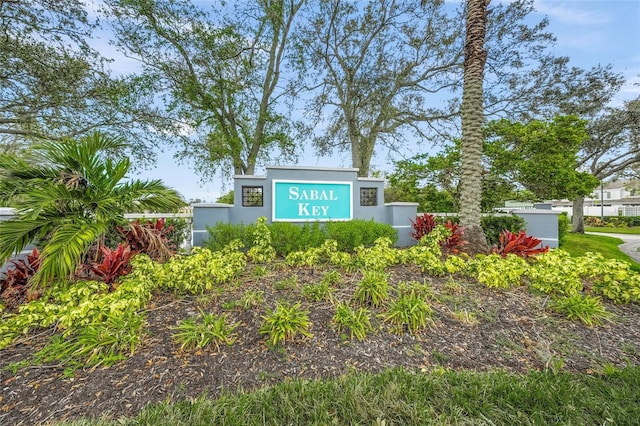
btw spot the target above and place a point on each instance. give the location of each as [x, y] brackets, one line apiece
[494, 225]
[227, 198]
[426, 224]
[202, 270]
[284, 322]
[219, 65]
[409, 312]
[494, 271]
[564, 226]
[427, 254]
[95, 344]
[251, 299]
[522, 151]
[556, 273]
[358, 232]
[356, 321]
[288, 283]
[67, 195]
[222, 234]
[262, 251]
[611, 278]
[585, 308]
[327, 253]
[430, 181]
[72, 307]
[377, 257]
[317, 292]
[520, 244]
[372, 289]
[287, 237]
[61, 84]
[211, 329]
[620, 221]
[332, 277]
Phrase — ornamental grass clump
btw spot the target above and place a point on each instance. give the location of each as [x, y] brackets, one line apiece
[356, 321]
[408, 313]
[285, 322]
[588, 309]
[210, 329]
[372, 289]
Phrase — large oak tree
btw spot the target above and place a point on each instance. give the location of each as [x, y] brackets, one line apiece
[53, 85]
[217, 74]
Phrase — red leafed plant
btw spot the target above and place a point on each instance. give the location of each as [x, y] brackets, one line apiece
[422, 226]
[114, 263]
[14, 287]
[425, 224]
[520, 244]
[151, 238]
[455, 241]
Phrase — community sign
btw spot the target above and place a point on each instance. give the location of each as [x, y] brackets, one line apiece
[301, 201]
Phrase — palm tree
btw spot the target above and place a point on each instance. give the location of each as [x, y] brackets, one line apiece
[66, 195]
[472, 120]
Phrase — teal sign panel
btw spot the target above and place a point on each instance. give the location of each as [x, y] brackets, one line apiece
[299, 201]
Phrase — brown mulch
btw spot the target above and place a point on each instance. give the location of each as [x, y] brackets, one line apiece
[514, 331]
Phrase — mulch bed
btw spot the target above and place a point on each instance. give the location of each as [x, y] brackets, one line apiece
[513, 332]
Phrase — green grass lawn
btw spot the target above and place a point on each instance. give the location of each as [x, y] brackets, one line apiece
[399, 397]
[635, 230]
[579, 244]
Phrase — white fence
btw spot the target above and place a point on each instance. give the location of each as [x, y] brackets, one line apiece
[603, 211]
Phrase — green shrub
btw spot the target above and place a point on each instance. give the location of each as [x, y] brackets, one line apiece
[372, 289]
[563, 227]
[262, 251]
[358, 232]
[494, 225]
[222, 234]
[317, 292]
[585, 308]
[356, 321]
[212, 329]
[409, 313]
[284, 322]
[618, 221]
[287, 237]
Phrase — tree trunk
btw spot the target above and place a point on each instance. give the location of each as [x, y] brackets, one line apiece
[577, 218]
[472, 121]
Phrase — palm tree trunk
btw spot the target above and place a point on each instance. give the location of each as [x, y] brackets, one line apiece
[472, 121]
[577, 217]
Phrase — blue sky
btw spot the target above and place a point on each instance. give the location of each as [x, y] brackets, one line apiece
[589, 32]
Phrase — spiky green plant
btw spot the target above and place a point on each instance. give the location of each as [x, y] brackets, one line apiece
[357, 321]
[212, 329]
[66, 195]
[284, 322]
[373, 288]
[409, 312]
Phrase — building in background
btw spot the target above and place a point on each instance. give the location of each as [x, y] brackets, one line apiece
[613, 198]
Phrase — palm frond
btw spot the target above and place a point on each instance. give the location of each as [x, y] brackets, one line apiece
[63, 253]
[16, 234]
[150, 195]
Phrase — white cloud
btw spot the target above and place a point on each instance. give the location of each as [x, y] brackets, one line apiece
[572, 12]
